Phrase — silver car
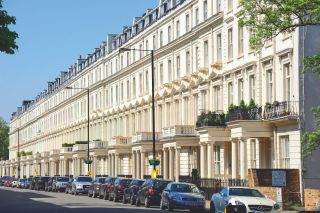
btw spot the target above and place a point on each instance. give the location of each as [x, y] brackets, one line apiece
[60, 183]
[81, 185]
[251, 199]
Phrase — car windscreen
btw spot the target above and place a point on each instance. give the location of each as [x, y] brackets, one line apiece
[45, 178]
[160, 184]
[137, 182]
[184, 188]
[244, 192]
[101, 180]
[62, 179]
[111, 180]
[84, 179]
[125, 182]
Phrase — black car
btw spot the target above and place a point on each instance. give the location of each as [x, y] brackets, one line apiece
[33, 182]
[105, 188]
[28, 182]
[41, 182]
[117, 190]
[130, 193]
[94, 189]
[150, 192]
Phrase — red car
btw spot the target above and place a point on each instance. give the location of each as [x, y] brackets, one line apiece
[105, 188]
[8, 182]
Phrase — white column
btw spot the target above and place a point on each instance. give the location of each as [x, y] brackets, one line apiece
[94, 169]
[242, 160]
[79, 166]
[177, 164]
[234, 160]
[171, 169]
[210, 160]
[165, 163]
[143, 160]
[138, 164]
[203, 161]
[258, 154]
[116, 163]
[134, 163]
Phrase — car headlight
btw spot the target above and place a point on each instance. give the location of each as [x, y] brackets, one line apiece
[276, 206]
[176, 198]
[79, 185]
[239, 203]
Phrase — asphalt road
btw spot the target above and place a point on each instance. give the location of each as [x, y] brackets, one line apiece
[14, 200]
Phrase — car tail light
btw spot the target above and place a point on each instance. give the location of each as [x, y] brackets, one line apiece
[109, 185]
[98, 184]
[120, 187]
[151, 190]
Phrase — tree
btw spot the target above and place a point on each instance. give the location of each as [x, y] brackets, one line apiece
[269, 18]
[4, 140]
[7, 37]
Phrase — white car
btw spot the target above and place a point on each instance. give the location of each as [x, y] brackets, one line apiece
[252, 199]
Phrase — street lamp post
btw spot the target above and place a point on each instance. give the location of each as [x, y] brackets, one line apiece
[152, 101]
[88, 122]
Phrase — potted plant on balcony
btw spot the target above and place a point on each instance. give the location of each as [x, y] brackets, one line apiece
[276, 103]
[268, 105]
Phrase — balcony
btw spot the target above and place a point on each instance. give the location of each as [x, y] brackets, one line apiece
[120, 141]
[145, 136]
[79, 147]
[179, 131]
[45, 154]
[37, 155]
[98, 144]
[279, 110]
[54, 152]
[244, 114]
[211, 119]
[66, 150]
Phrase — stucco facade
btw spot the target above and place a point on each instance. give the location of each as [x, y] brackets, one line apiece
[202, 63]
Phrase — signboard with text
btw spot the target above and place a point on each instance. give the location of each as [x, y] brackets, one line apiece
[279, 178]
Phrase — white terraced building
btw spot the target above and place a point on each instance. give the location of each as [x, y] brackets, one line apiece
[202, 63]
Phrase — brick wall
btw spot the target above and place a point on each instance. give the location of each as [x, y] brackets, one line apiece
[262, 179]
[311, 199]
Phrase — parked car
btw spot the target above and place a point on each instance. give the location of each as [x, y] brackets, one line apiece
[21, 183]
[3, 179]
[94, 189]
[41, 183]
[27, 183]
[117, 190]
[252, 199]
[182, 196]
[60, 183]
[105, 188]
[8, 182]
[130, 193]
[48, 184]
[14, 182]
[69, 186]
[33, 182]
[150, 192]
[81, 185]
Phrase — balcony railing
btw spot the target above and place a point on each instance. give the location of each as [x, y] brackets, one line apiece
[120, 141]
[145, 136]
[98, 144]
[245, 114]
[208, 118]
[54, 152]
[79, 147]
[66, 150]
[179, 130]
[281, 109]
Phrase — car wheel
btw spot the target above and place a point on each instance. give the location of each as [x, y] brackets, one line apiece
[132, 201]
[137, 201]
[100, 196]
[115, 199]
[146, 202]
[162, 207]
[89, 195]
[212, 208]
[124, 201]
[170, 209]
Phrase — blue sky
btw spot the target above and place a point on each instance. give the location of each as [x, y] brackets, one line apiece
[52, 34]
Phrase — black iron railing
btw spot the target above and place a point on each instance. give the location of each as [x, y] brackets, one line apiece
[280, 109]
[245, 114]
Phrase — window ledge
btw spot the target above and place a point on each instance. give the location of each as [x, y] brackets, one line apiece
[240, 56]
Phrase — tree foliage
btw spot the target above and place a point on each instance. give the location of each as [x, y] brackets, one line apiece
[4, 140]
[269, 18]
[7, 37]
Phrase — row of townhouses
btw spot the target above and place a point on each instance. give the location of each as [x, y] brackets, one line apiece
[205, 77]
